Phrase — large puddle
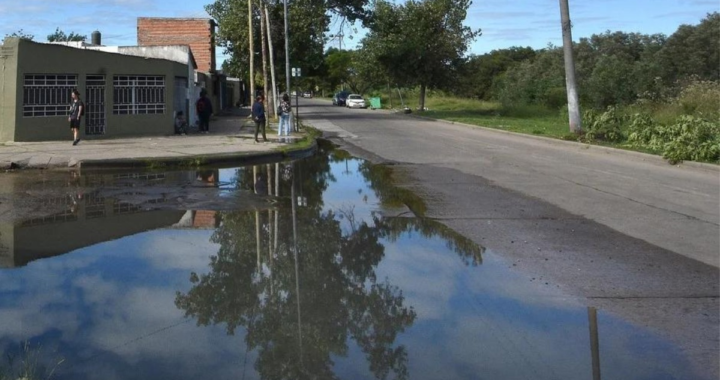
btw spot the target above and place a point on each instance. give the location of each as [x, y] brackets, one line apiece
[315, 269]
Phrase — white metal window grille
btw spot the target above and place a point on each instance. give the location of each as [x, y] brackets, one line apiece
[47, 94]
[138, 94]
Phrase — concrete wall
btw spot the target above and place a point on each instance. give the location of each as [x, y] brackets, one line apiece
[178, 53]
[38, 58]
[8, 84]
[198, 33]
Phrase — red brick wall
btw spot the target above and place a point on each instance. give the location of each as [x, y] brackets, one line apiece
[198, 33]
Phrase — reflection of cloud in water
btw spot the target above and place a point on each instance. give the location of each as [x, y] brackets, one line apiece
[112, 316]
[410, 264]
[493, 321]
[179, 249]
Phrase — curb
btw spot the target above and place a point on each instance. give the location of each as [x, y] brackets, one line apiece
[201, 160]
[647, 156]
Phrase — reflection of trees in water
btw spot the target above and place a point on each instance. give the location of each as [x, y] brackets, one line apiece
[340, 296]
[252, 283]
[468, 250]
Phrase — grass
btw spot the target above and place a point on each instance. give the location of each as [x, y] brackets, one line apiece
[532, 120]
[306, 141]
[535, 120]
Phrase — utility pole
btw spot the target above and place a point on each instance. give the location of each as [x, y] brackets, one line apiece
[252, 54]
[570, 82]
[274, 93]
[263, 44]
[287, 50]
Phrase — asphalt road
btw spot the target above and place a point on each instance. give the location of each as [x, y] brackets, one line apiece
[626, 232]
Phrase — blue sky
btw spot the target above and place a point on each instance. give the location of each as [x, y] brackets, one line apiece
[504, 23]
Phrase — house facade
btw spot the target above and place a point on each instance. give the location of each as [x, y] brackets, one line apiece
[125, 95]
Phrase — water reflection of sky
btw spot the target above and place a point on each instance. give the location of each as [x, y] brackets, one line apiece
[350, 191]
[109, 311]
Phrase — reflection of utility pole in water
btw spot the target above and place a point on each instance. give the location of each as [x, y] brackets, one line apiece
[594, 342]
[347, 170]
[270, 211]
[297, 271]
[277, 211]
[257, 220]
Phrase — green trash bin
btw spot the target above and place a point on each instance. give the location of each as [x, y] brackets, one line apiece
[375, 103]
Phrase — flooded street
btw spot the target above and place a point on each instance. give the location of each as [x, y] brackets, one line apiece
[315, 269]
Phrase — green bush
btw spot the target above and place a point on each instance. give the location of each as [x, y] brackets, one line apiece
[642, 132]
[556, 97]
[606, 126]
[688, 138]
[693, 138]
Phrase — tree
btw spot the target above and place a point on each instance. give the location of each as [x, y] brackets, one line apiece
[308, 21]
[420, 43]
[21, 35]
[60, 36]
[539, 81]
[339, 64]
[479, 72]
[693, 51]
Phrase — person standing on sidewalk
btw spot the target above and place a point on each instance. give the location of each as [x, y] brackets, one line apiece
[258, 115]
[284, 116]
[204, 111]
[77, 110]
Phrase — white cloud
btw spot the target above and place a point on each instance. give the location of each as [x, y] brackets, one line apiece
[188, 250]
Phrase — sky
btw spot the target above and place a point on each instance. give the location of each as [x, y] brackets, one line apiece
[504, 23]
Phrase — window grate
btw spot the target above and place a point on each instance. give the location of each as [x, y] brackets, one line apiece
[47, 94]
[138, 94]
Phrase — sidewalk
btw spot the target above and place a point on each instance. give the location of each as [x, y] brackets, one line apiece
[230, 140]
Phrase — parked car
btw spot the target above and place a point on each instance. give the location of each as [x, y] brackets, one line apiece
[307, 94]
[340, 98]
[355, 101]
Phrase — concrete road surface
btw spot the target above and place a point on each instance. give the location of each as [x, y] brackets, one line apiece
[626, 232]
[673, 207]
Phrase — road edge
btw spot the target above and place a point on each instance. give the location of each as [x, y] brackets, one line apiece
[693, 164]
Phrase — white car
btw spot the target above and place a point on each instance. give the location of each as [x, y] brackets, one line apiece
[355, 101]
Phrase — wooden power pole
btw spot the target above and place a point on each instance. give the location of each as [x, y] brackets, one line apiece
[570, 82]
[252, 54]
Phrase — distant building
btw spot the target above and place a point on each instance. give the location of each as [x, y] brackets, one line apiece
[199, 34]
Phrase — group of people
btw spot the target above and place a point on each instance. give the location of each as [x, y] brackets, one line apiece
[204, 109]
[258, 115]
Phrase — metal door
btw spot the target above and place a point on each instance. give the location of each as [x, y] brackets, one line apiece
[95, 105]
